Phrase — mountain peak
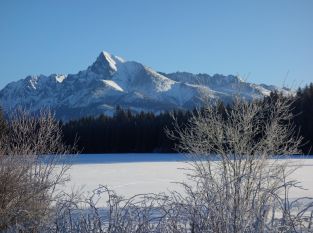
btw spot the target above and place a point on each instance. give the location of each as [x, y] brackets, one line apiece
[110, 58]
[106, 64]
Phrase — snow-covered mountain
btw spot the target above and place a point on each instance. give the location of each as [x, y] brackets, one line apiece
[111, 81]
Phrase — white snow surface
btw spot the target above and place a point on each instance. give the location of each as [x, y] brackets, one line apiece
[60, 78]
[131, 174]
[113, 84]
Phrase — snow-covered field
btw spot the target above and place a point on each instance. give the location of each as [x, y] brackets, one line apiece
[127, 174]
[130, 174]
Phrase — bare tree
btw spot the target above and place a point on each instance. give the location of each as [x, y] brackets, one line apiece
[30, 151]
[239, 184]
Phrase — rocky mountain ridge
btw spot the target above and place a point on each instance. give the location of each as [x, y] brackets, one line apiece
[111, 81]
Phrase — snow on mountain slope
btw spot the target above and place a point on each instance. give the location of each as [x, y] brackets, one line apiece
[111, 81]
[113, 85]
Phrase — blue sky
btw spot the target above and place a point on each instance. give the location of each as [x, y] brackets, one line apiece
[264, 41]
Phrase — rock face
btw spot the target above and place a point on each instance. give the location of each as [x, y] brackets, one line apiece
[110, 81]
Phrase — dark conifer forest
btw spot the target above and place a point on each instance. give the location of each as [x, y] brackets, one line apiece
[123, 133]
[303, 110]
[126, 132]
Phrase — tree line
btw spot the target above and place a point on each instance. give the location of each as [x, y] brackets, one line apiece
[126, 132]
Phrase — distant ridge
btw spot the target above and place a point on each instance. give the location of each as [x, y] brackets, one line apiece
[111, 81]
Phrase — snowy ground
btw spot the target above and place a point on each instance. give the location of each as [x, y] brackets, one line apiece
[130, 174]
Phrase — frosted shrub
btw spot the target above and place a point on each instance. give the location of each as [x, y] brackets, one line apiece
[27, 183]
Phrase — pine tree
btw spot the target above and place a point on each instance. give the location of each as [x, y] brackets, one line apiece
[2, 123]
